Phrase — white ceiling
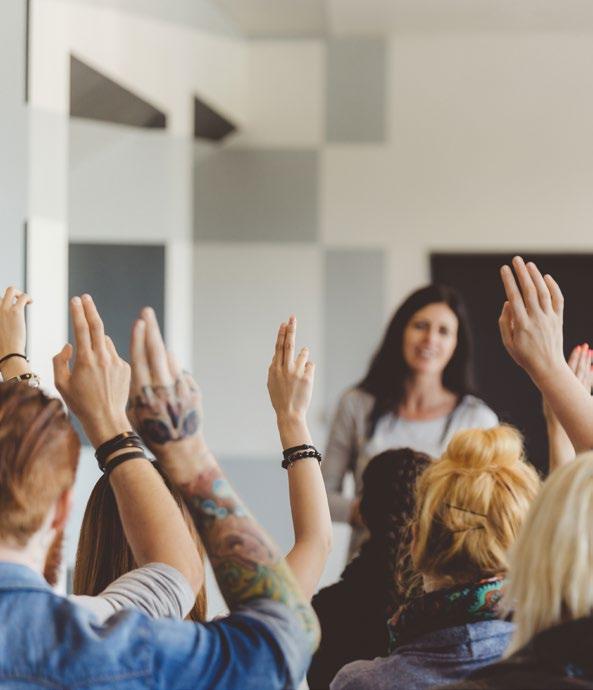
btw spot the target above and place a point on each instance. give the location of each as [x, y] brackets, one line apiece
[305, 18]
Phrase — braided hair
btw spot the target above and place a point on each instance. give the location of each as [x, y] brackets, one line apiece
[387, 507]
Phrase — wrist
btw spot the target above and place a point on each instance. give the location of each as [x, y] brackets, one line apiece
[107, 430]
[293, 430]
[545, 376]
[15, 366]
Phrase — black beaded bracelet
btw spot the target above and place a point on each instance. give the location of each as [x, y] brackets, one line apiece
[289, 451]
[112, 464]
[303, 452]
[129, 439]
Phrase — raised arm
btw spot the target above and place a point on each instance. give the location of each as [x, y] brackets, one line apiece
[561, 450]
[531, 330]
[290, 384]
[96, 389]
[168, 415]
[13, 334]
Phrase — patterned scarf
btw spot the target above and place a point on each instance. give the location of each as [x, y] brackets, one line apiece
[446, 608]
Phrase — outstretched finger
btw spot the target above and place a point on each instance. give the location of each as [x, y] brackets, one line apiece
[156, 351]
[10, 294]
[279, 349]
[582, 371]
[575, 356]
[289, 341]
[528, 289]
[95, 324]
[301, 360]
[505, 325]
[140, 368]
[555, 294]
[514, 297]
[22, 300]
[61, 363]
[543, 292]
[181, 384]
[80, 327]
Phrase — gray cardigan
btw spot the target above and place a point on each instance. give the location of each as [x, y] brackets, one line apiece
[437, 658]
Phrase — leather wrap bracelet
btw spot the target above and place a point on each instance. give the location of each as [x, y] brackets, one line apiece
[120, 459]
[129, 439]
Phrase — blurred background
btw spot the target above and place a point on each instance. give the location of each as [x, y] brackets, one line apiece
[234, 161]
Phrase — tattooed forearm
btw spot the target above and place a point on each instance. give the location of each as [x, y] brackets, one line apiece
[246, 562]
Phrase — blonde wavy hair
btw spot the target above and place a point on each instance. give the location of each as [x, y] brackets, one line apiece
[471, 504]
[551, 572]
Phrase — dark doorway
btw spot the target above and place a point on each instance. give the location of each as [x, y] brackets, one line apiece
[501, 382]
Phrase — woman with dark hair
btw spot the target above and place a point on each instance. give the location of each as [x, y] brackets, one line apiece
[353, 612]
[417, 393]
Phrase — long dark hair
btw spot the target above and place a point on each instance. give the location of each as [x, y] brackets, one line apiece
[103, 552]
[388, 371]
[387, 506]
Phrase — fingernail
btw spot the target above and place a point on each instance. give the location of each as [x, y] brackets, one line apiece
[76, 300]
[86, 297]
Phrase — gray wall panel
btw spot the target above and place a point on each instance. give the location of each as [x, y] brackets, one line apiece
[354, 299]
[356, 88]
[122, 279]
[257, 195]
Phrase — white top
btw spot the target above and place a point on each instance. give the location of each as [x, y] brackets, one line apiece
[348, 449]
[156, 589]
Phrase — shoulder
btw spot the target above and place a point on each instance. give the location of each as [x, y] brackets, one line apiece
[356, 401]
[361, 675]
[476, 413]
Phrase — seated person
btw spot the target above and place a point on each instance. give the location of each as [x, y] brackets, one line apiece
[470, 505]
[353, 612]
[167, 575]
[268, 638]
[551, 572]
[104, 553]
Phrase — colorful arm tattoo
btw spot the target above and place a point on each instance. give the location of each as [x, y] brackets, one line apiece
[246, 562]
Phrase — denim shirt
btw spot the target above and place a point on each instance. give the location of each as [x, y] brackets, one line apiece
[47, 641]
[434, 659]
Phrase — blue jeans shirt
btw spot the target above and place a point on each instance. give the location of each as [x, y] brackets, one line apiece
[48, 642]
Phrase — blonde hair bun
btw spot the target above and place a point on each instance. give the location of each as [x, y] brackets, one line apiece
[485, 449]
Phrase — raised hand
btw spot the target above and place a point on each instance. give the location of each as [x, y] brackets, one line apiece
[290, 380]
[13, 331]
[531, 318]
[96, 387]
[165, 404]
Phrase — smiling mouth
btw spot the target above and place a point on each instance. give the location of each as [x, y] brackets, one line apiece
[426, 354]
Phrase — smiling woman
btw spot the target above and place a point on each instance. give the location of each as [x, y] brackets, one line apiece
[417, 393]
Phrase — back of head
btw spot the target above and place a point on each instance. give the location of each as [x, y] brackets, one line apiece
[103, 552]
[471, 505]
[386, 507]
[551, 571]
[39, 452]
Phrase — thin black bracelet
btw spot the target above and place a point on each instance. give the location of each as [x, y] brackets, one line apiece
[289, 451]
[312, 452]
[112, 464]
[129, 439]
[13, 354]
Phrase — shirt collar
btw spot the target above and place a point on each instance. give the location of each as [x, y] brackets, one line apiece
[17, 576]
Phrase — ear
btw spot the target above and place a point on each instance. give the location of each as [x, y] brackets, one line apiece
[63, 509]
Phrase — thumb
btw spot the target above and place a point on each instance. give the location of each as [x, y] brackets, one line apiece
[61, 364]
